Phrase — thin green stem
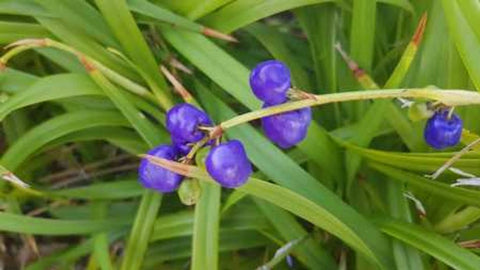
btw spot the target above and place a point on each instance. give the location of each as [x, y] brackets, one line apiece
[27, 44]
[446, 97]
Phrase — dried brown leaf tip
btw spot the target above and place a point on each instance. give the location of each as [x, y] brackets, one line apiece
[173, 166]
[179, 88]
[216, 34]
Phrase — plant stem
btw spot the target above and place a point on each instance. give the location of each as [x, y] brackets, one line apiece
[447, 97]
[27, 44]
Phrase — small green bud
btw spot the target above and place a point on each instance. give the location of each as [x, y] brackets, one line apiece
[189, 191]
[419, 111]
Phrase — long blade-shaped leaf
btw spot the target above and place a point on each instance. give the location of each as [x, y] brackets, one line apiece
[205, 229]
[431, 243]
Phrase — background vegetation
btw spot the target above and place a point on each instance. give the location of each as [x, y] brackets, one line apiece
[77, 108]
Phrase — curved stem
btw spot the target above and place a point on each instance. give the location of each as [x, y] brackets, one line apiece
[447, 97]
[27, 44]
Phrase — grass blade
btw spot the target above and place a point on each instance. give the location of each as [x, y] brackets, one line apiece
[43, 226]
[54, 128]
[362, 32]
[242, 12]
[123, 25]
[431, 243]
[206, 228]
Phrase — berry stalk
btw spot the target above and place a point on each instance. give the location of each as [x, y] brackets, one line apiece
[449, 98]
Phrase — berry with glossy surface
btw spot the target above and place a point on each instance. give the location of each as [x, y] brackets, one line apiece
[183, 121]
[156, 177]
[270, 81]
[441, 131]
[289, 128]
[228, 164]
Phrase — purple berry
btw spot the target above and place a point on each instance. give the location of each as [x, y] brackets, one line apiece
[158, 178]
[181, 146]
[441, 131]
[270, 81]
[289, 128]
[228, 164]
[183, 121]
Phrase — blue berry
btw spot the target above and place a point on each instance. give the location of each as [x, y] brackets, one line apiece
[289, 128]
[183, 121]
[158, 178]
[181, 146]
[270, 81]
[228, 164]
[441, 131]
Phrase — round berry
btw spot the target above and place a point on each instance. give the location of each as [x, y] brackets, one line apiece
[158, 178]
[442, 131]
[183, 121]
[289, 128]
[270, 81]
[228, 164]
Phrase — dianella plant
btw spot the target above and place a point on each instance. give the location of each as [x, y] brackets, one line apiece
[240, 134]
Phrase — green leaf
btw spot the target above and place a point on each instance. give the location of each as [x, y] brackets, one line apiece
[194, 9]
[362, 32]
[271, 161]
[54, 128]
[44, 226]
[163, 15]
[82, 15]
[87, 45]
[212, 61]
[431, 243]
[50, 88]
[13, 81]
[405, 4]
[141, 230]
[126, 139]
[242, 12]
[206, 228]
[62, 256]
[103, 191]
[319, 23]
[22, 7]
[13, 31]
[308, 252]
[436, 188]
[242, 217]
[123, 25]
[101, 244]
[136, 118]
[416, 161]
[465, 38]
[181, 247]
[405, 257]
[312, 212]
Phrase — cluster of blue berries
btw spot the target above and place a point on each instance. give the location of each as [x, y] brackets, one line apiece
[227, 162]
[270, 82]
[443, 129]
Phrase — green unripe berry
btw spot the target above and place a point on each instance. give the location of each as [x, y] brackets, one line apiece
[189, 191]
[419, 111]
